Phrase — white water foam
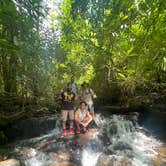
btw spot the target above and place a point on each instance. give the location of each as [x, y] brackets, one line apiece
[89, 158]
[35, 158]
[140, 145]
[135, 143]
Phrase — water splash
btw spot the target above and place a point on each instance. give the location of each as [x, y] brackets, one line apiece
[34, 158]
[89, 158]
[116, 138]
[123, 140]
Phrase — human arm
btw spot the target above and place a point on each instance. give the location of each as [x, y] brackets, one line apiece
[93, 94]
[87, 119]
[76, 117]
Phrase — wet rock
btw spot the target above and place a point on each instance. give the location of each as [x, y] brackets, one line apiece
[28, 152]
[134, 113]
[122, 146]
[84, 138]
[64, 155]
[65, 163]
[45, 145]
[160, 159]
[133, 117]
[105, 160]
[2, 158]
[125, 162]
[24, 151]
[113, 128]
[10, 162]
[60, 156]
[23, 128]
[161, 151]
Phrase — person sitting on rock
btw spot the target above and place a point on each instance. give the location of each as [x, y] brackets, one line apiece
[82, 118]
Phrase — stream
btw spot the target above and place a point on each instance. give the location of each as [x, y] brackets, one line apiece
[118, 141]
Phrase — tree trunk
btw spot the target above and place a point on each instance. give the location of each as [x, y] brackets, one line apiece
[9, 63]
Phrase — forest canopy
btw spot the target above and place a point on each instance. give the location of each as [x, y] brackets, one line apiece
[118, 47]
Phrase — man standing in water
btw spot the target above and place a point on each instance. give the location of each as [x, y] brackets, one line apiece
[68, 98]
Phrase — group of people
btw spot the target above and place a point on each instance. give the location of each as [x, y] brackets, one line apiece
[78, 105]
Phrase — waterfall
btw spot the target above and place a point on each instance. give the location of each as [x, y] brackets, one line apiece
[89, 158]
[122, 143]
[116, 141]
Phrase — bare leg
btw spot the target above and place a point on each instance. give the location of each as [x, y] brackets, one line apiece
[77, 125]
[64, 124]
[84, 130]
[78, 129]
[71, 123]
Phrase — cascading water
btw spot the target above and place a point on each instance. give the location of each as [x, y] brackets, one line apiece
[115, 143]
[89, 158]
[125, 143]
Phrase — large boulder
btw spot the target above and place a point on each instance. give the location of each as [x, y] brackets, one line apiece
[160, 159]
[105, 160]
[22, 129]
[10, 162]
[61, 158]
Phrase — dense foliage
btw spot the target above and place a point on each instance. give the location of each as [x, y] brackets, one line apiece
[119, 47]
[29, 51]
